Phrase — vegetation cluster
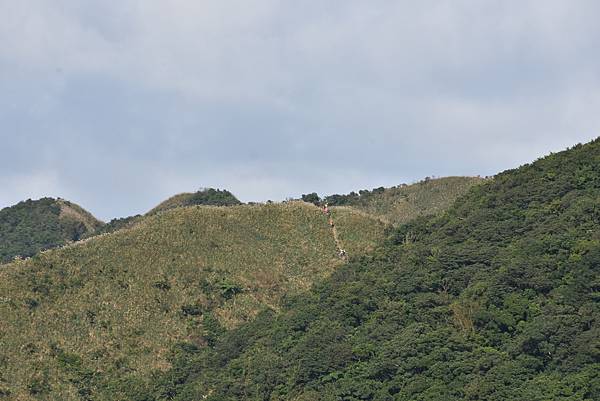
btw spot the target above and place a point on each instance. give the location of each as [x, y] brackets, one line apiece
[496, 299]
[207, 197]
[402, 203]
[34, 225]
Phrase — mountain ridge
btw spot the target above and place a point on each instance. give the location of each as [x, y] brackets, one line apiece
[496, 299]
[181, 302]
[187, 273]
[402, 203]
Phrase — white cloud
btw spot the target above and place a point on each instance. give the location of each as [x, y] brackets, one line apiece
[379, 89]
[37, 185]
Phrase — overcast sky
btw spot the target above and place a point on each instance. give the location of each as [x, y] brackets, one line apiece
[118, 105]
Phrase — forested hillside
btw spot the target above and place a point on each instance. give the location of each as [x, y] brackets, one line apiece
[97, 318]
[497, 299]
[34, 225]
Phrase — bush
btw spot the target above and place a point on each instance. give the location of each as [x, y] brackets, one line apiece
[312, 198]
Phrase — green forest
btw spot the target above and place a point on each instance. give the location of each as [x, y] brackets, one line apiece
[31, 226]
[496, 299]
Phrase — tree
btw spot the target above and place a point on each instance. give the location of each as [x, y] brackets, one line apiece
[311, 198]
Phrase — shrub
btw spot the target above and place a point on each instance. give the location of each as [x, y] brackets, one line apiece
[311, 198]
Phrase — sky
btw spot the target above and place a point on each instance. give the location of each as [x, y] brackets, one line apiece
[118, 105]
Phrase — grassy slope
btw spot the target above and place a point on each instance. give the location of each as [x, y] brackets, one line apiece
[30, 226]
[207, 197]
[351, 229]
[71, 212]
[115, 304]
[401, 204]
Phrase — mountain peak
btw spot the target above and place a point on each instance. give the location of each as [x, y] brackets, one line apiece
[204, 196]
[34, 225]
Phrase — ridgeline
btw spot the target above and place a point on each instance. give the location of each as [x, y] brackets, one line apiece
[403, 203]
[206, 197]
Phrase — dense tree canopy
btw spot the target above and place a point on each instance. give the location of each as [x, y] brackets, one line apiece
[34, 225]
[497, 299]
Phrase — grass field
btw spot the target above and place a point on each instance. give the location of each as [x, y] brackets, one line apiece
[203, 197]
[114, 305]
[403, 203]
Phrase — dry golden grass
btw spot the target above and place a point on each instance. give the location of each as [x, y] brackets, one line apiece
[74, 212]
[115, 303]
[173, 202]
[401, 204]
[358, 232]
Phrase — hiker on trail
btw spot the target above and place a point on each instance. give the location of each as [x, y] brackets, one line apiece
[326, 209]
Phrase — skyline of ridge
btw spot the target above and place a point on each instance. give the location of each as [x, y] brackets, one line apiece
[296, 195]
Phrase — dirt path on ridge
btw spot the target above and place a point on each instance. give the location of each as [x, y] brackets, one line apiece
[338, 244]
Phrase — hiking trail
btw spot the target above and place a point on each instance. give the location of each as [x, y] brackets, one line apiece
[338, 244]
[336, 238]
